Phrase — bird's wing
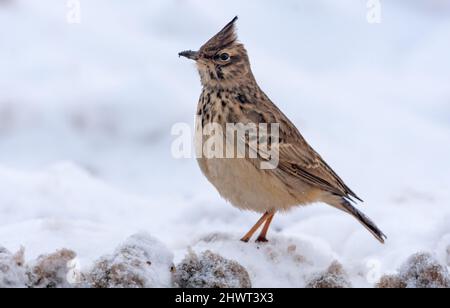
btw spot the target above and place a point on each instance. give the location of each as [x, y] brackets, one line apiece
[299, 160]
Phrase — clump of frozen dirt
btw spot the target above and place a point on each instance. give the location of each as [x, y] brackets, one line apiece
[334, 277]
[391, 282]
[140, 262]
[12, 269]
[210, 270]
[51, 271]
[419, 271]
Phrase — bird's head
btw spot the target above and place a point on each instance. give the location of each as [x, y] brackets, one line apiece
[223, 60]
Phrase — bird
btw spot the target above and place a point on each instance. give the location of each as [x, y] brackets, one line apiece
[230, 94]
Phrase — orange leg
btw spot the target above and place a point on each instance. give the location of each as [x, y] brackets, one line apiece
[252, 231]
[262, 237]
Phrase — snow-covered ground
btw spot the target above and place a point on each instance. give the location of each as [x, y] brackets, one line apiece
[86, 112]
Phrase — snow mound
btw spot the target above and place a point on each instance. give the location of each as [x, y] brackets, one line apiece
[282, 262]
[210, 270]
[334, 277]
[51, 271]
[419, 271]
[12, 270]
[140, 262]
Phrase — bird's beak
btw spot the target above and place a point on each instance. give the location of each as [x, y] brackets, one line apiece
[193, 55]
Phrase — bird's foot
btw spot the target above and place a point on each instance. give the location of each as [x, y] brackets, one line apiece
[262, 240]
[245, 240]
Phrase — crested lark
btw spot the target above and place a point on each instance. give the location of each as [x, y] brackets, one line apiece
[231, 95]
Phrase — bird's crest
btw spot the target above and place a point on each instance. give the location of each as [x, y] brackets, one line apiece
[225, 38]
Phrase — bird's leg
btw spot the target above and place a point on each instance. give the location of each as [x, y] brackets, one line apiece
[252, 231]
[262, 237]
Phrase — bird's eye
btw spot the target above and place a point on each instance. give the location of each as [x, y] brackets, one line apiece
[224, 57]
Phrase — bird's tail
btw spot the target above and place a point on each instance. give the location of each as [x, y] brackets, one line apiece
[347, 207]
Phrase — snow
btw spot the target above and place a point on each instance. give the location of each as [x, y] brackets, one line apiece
[86, 112]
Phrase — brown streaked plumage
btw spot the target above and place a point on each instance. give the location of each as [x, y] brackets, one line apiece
[231, 95]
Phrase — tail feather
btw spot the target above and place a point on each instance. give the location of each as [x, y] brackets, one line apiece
[345, 206]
